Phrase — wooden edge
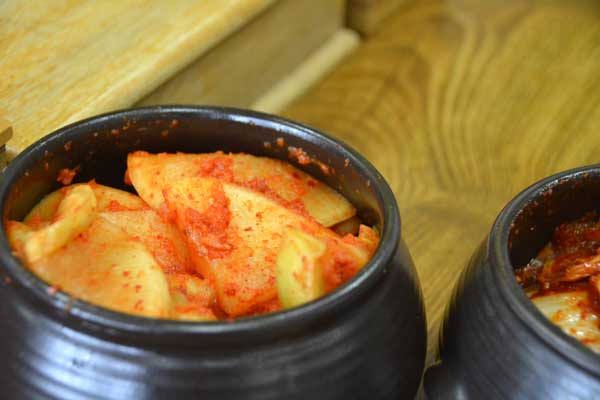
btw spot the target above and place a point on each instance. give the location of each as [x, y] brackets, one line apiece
[6, 131]
[322, 61]
[366, 16]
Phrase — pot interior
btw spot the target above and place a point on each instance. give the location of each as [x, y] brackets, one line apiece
[543, 207]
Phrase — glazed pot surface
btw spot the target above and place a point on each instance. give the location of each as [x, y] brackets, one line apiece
[366, 339]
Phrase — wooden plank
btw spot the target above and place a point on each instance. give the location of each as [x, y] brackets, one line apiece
[314, 68]
[6, 133]
[366, 16]
[65, 60]
[247, 64]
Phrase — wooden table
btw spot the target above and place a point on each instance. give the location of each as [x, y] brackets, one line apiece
[461, 104]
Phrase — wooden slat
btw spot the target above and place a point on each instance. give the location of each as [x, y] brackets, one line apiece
[366, 16]
[249, 63]
[314, 68]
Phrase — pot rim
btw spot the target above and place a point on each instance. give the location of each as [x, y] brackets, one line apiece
[113, 322]
[513, 295]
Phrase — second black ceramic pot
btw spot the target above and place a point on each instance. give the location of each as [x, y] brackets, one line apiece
[366, 340]
[495, 344]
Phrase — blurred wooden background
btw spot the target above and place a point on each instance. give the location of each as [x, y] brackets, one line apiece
[367, 16]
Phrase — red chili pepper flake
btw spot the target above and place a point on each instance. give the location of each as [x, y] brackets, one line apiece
[114, 205]
[138, 288]
[115, 132]
[217, 167]
[67, 145]
[52, 290]
[299, 154]
[66, 175]
[231, 290]
[127, 124]
[139, 305]
[46, 166]
[325, 169]
[174, 123]
[280, 142]
[126, 273]
[207, 231]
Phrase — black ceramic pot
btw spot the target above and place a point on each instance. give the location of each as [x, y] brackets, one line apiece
[365, 340]
[495, 344]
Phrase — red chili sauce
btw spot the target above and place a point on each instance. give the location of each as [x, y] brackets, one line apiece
[570, 262]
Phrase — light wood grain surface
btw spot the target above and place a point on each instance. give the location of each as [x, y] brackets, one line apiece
[367, 16]
[64, 60]
[461, 104]
[245, 65]
[308, 72]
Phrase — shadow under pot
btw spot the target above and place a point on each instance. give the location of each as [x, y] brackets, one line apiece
[364, 340]
[495, 343]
